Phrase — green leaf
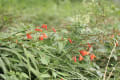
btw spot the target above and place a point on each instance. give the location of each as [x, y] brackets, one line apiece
[60, 46]
[44, 75]
[44, 60]
[63, 74]
[54, 74]
[2, 65]
[24, 75]
[115, 57]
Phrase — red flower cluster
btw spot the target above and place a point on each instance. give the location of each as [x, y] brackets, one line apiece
[84, 53]
[43, 36]
[75, 58]
[44, 26]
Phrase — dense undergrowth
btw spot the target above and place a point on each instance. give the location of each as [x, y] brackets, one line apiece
[27, 53]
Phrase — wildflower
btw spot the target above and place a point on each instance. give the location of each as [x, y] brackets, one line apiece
[112, 36]
[61, 79]
[41, 38]
[44, 26]
[62, 38]
[70, 41]
[74, 58]
[80, 58]
[89, 45]
[92, 56]
[44, 35]
[118, 34]
[117, 44]
[16, 41]
[53, 29]
[38, 30]
[28, 36]
[83, 52]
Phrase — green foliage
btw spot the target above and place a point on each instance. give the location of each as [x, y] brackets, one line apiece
[83, 21]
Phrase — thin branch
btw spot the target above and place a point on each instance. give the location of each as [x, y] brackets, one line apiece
[104, 78]
[112, 71]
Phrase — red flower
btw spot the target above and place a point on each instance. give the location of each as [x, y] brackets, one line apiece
[41, 38]
[80, 58]
[70, 41]
[53, 29]
[44, 26]
[117, 44]
[112, 36]
[16, 41]
[75, 60]
[62, 38]
[92, 56]
[44, 35]
[118, 34]
[28, 36]
[38, 30]
[83, 52]
[61, 79]
[89, 45]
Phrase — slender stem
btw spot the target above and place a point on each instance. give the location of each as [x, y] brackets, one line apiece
[104, 78]
[112, 71]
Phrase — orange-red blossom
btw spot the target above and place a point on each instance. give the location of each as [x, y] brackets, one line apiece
[84, 52]
[74, 58]
[28, 36]
[44, 26]
[38, 30]
[54, 30]
[41, 37]
[80, 58]
[70, 40]
[92, 56]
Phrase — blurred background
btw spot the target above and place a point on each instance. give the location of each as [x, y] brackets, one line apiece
[95, 21]
[14, 13]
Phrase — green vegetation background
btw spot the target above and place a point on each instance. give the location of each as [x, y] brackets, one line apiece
[87, 21]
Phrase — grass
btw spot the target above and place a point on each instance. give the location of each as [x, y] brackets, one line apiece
[95, 22]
